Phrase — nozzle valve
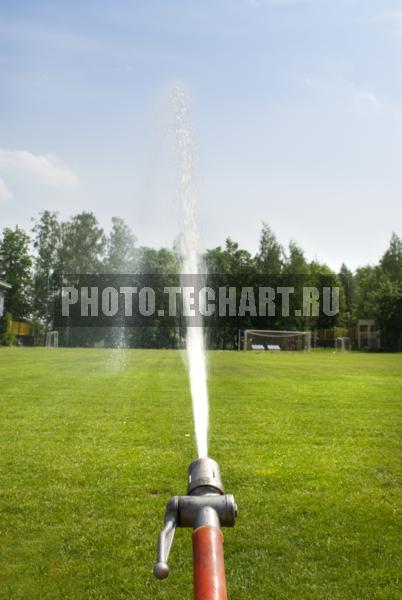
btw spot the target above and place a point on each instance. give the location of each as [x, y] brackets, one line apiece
[205, 505]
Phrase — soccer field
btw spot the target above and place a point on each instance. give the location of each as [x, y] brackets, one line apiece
[94, 442]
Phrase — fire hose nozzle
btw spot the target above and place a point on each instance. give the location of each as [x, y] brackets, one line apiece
[204, 477]
[205, 505]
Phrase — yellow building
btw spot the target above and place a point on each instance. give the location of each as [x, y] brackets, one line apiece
[20, 328]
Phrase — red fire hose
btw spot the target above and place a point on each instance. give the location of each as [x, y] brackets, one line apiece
[209, 567]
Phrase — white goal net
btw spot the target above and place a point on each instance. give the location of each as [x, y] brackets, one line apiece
[342, 344]
[52, 339]
[274, 340]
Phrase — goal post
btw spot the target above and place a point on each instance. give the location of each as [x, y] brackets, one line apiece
[271, 339]
[52, 339]
[342, 344]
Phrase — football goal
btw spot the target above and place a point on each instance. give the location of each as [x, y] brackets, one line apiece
[52, 339]
[342, 344]
[276, 340]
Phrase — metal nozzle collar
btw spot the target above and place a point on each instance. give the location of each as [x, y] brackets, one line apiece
[204, 477]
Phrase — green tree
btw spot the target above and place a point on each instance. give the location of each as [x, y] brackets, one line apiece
[82, 251]
[295, 262]
[83, 245]
[7, 338]
[388, 314]
[391, 262]
[120, 248]
[270, 256]
[232, 260]
[47, 232]
[152, 261]
[158, 268]
[295, 271]
[229, 267]
[320, 276]
[347, 282]
[15, 268]
[367, 281]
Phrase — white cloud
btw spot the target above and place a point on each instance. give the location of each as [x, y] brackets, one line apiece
[46, 169]
[5, 193]
[31, 33]
[392, 16]
[368, 99]
[363, 100]
[359, 99]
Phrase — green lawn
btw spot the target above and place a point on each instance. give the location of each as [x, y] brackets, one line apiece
[94, 442]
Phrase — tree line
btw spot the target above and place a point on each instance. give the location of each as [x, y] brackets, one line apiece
[29, 261]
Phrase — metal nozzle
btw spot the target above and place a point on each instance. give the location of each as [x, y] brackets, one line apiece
[204, 477]
[204, 505]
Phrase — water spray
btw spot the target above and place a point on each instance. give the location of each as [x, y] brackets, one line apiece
[206, 509]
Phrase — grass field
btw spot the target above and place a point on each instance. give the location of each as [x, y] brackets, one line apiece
[94, 442]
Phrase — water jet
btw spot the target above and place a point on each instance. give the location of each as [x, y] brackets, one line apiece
[206, 508]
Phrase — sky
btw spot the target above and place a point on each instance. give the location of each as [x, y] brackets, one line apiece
[296, 109]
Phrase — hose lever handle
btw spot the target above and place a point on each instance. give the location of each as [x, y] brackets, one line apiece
[165, 541]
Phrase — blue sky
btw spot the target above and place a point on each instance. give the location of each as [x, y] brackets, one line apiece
[296, 108]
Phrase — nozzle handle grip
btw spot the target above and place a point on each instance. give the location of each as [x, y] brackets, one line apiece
[209, 565]
[165, 541]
